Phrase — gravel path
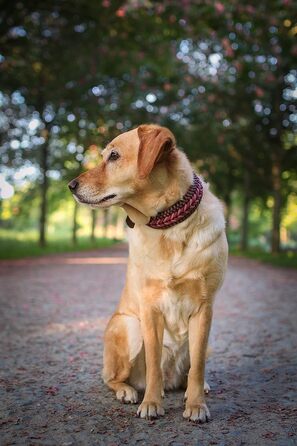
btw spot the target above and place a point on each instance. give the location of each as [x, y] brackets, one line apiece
[53, 313]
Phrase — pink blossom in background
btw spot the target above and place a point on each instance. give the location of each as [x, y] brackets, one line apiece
[220, 8]
[259, 92]
[121, 12]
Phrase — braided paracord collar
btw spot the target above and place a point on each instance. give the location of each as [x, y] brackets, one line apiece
[179, 211]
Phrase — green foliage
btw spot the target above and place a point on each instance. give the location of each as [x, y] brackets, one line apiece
[220, 74]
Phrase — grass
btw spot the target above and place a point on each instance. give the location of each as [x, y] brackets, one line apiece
[286, 259]
[15, 245]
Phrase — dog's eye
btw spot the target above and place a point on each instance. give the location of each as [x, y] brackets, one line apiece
[113, 156]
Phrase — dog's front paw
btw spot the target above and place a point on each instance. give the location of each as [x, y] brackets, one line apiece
[150, 410]
[197, 412]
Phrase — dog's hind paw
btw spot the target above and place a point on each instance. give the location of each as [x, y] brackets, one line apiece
[127, 395]
[206, 387]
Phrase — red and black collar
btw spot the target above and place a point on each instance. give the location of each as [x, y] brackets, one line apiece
[179, 211]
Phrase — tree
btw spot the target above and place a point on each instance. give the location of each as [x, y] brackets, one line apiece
[219, 74]
[90, 38]
[260, 46]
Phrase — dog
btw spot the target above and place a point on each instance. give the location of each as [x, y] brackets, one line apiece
[157, 338]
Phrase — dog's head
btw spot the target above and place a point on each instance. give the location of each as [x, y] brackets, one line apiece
[129, 161]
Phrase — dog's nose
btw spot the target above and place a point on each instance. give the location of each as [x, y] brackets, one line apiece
[73, 185]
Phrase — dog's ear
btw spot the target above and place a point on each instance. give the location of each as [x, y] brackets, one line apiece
[156, 143]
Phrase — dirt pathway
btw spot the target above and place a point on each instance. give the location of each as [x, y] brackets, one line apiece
[53, 313]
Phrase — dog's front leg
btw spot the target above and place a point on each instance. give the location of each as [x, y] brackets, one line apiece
[152, 326]
[199, 327]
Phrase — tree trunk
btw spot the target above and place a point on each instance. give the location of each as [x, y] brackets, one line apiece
[44, 189]
[105, 222]
[93, 224]
[245, 212]
[276, 158]
[277, 202]
[119, 225]
[74, 223]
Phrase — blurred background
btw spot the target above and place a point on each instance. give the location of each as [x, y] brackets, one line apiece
[222, 75]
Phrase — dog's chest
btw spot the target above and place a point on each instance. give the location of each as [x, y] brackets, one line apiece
[176, 310]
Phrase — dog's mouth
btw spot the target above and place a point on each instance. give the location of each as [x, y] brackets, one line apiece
[108, 197]
[95, 203]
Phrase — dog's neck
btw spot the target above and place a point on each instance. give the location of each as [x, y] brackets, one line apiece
[155, 200]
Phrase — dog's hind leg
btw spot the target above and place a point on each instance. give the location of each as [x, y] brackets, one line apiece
[122, 344]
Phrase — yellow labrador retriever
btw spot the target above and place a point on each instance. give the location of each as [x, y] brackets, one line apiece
[157, 338]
